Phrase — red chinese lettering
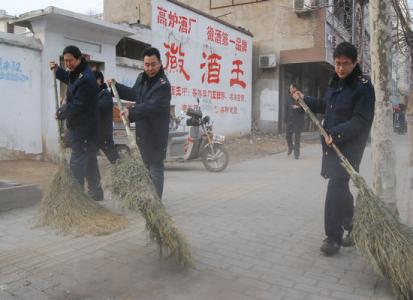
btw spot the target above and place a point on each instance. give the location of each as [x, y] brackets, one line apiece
[210, 33]
[213, 67]
[238, 44]
[218, 36]
[162, 16]
[173, 19]
[225, 39]
[237, 70]
[175, 59]
[190, 24]
[183, 24]
[244, 46]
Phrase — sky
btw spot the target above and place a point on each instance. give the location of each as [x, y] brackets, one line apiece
[17, 7]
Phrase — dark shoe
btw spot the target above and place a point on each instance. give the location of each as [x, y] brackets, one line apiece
[348, 240]
[330, 247]
[290, 151]
[297, 157]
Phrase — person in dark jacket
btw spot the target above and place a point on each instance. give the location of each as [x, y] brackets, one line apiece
[295, 123]
[348, 106]
[105, 129]
[81, 115]
[152, 94]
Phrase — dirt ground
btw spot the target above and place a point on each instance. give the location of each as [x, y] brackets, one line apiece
[240, 149]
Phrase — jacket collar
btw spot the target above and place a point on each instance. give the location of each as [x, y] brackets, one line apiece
[103, 86]
[75, 74]
[349, 80]
[146, 78]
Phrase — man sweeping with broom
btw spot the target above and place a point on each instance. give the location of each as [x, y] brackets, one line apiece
[81, 115]
[152, 94]
[348, 106]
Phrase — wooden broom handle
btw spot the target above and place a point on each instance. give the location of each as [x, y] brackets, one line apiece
[324, 133]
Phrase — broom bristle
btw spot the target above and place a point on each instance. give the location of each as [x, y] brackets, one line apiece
[132, 184]
[387, 243]
[67, 208]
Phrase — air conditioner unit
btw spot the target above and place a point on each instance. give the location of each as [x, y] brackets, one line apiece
[303, 6]
[267, 61]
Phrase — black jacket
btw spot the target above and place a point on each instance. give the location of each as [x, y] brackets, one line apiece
[81, 108]
[294, 116]
[105, 102]
[348, 106]
[150, 113]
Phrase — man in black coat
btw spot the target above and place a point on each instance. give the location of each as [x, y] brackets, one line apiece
[152, 94]
[295, 123]
[81, 115]
[348, 106]
[105, 129]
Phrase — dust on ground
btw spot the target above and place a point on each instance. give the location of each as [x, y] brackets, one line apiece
[240, 149]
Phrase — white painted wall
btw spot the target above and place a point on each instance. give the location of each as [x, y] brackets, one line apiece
[20, 88]
[54, 35]
[202, 63]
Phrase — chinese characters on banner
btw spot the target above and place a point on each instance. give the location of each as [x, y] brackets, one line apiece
[208, 60]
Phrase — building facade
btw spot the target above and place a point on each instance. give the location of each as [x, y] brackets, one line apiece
[293, 42]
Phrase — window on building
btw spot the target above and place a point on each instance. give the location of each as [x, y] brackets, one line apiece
[343, 12]
[214, 4]
[131, 48]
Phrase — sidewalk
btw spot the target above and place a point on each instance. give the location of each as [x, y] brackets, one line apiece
[255, 230]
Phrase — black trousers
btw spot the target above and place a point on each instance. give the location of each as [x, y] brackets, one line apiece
[108, 147]
[339, 208]
[293, 130]
[84, 165]
[156, 171]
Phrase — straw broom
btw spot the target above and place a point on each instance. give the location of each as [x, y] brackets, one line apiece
[131, 183]
[377, 232]
[67, 207]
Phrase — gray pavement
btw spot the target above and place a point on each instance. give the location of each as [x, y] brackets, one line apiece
[255, 230]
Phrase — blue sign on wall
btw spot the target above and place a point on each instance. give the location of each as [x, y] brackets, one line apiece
[11, 70]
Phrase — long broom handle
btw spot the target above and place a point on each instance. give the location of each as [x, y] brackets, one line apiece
[346, 164]
[56, 99]
[59, 122]
[131, 136]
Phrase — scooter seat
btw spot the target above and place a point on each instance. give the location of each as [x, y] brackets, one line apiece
[173, 134]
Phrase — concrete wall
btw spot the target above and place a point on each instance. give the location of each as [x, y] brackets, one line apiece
[55, 34]
[127, 11]
[20, 116]
[127, 70]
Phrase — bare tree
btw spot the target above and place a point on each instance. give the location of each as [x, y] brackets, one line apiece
[384, 173]
[405, 43]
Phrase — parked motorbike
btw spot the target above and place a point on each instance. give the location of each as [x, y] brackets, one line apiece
[183, 145]
[199, 142]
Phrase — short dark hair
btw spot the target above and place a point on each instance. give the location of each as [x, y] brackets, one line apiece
[346, 49]
[152, 51]
[293, 84]
[99, 75]
[75, 51]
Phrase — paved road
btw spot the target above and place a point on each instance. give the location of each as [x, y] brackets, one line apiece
[255, 230]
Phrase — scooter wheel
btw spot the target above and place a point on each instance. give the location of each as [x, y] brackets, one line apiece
[216, 159]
